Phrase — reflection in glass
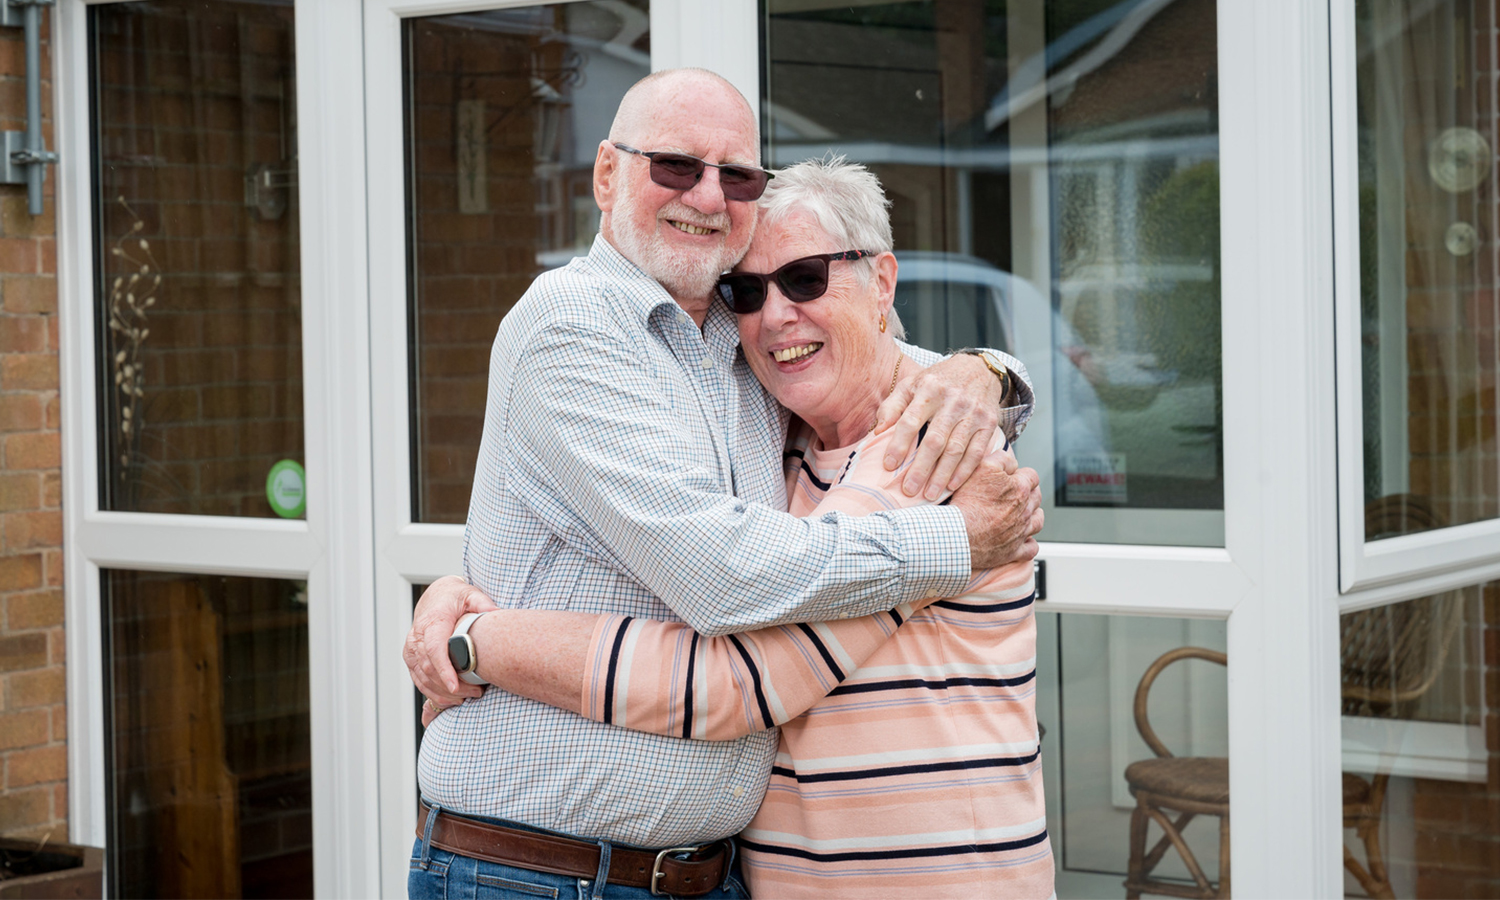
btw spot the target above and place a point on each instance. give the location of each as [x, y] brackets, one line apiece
[208, 730]
[505, 110]
[1104, 773]
[1421, 773]
[196, 247]
[1429, 304]
[1053, 169]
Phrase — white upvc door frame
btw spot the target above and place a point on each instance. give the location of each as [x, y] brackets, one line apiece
[1442, 559]
[1280, 449]
[333, 546]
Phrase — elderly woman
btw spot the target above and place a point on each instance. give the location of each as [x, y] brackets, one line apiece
[909, 762]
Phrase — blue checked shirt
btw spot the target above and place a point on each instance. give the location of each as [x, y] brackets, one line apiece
[631, 464]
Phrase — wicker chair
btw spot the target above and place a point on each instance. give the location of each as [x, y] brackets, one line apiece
[1168, 786]
[1390, 656]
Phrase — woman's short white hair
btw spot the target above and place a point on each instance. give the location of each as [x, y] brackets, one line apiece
[845, 198]
[847, 202]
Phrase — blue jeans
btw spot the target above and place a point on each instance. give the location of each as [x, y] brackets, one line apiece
[440, 875]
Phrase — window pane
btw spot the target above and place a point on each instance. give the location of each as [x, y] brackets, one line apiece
[1103, 774]
[1421, 747]
[1053, 169]
[196, 237]
[1429, 304]
[1418, 660]
[505, 110]
[209, 757]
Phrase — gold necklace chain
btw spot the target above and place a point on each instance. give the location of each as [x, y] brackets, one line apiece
[894, 376]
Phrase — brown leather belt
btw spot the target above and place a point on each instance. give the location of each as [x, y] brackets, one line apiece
[661, 871]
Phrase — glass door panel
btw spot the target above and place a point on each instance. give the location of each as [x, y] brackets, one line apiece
[1054, 176]
[197, 255]
[1054, 190]
[1421, 755]
[505, 110]
[490, 119]
[209, 735]
[1428, 300]
[1098, 763]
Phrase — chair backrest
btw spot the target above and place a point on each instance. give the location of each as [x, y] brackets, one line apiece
[1142, 690]
[1391, 655]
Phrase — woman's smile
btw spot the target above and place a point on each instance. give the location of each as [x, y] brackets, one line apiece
[796, 352]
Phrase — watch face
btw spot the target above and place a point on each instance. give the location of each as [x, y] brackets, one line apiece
[461, 653]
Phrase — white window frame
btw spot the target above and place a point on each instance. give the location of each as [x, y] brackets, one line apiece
[1280, 449]
[1390, 570]
[332, 547]
[1440, 559]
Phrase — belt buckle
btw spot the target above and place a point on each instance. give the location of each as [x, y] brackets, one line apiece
[657, 873]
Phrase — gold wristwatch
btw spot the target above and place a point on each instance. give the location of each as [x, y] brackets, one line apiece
[997, 366]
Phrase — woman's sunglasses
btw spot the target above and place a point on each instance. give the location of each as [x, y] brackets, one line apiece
[680, 172]
[800, 280]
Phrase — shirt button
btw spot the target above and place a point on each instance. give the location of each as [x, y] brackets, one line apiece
[708, 362]
[738, 792]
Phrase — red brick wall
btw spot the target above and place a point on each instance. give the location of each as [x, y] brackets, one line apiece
[33, 737]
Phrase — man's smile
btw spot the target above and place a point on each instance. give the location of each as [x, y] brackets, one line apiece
[690, 228]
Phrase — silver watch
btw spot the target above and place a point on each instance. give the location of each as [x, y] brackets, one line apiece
[461, 650]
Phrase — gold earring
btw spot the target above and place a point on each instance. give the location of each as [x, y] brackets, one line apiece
[882, 324]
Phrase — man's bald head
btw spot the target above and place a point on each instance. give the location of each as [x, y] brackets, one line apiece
[672, 88]
[682, 236]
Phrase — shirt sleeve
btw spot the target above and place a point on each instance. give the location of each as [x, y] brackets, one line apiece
[594, 448]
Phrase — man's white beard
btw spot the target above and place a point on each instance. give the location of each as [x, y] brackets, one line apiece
[683, 273]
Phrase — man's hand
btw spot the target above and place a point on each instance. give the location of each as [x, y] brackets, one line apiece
[958, 399]
[426, 650]
[1002, 509]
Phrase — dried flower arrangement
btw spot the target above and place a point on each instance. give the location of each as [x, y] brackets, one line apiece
[130, 296]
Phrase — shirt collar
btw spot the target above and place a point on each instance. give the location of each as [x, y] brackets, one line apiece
[644, 295]
[636, 290]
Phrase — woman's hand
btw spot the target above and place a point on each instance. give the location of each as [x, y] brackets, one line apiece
[426, 649]
[430, 711]
[958, 399]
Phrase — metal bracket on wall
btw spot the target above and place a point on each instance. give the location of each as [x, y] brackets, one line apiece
[23, 153]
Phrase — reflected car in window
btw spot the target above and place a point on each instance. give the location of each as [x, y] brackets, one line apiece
[949, 300]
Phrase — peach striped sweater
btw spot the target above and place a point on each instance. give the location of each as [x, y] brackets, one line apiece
[909, 762]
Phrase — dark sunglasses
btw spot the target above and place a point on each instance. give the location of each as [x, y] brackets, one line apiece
[680, 172]
[800, 280]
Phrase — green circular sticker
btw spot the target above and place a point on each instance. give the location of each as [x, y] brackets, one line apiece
[286, 489]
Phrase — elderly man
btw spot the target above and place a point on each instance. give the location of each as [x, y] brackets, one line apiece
[631, 464]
